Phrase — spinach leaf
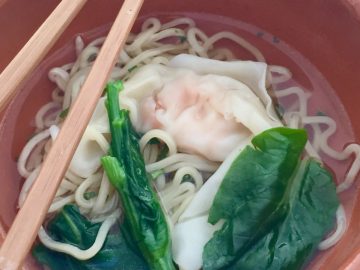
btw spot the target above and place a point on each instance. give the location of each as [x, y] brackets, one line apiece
[275, 210]
[144, 223]
[69, 226]
[64, 113]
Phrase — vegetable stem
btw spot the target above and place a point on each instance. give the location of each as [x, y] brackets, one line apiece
[144, 220]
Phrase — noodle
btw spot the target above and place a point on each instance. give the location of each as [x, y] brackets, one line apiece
[179, 193]
[27, 185]
[25, 153]
[41, 114]
[340, 230]
[162, 136]
[60, 202]
[176, 161]
[93, 180]
[237, 39]
[100, 201]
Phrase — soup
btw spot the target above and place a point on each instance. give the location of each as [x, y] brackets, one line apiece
[201, 160]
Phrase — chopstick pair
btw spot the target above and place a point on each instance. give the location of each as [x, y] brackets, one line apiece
[24, 229]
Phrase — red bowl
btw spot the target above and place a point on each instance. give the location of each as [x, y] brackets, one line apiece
[326, 34]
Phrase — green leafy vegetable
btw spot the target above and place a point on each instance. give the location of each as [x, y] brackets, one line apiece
[154, 141]
[275, 208]
[144, 222]
[89, 195]
[321, 113]
[69, 226]
[156, 174]
[182, 39]
[132, 68]
[164, 151]
[188, 178]
[64, 113]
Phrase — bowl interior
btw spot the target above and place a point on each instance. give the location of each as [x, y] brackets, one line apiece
[320, 51]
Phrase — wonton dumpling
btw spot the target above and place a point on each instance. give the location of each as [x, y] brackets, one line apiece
[206, 114]
[190, 109]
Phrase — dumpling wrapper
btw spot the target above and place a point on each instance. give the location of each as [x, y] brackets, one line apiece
[207, 114]
[188, 250]
[253, 74]
[86, 160]
[192, 231]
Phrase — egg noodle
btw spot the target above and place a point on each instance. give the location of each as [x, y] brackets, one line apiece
[156, 43]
